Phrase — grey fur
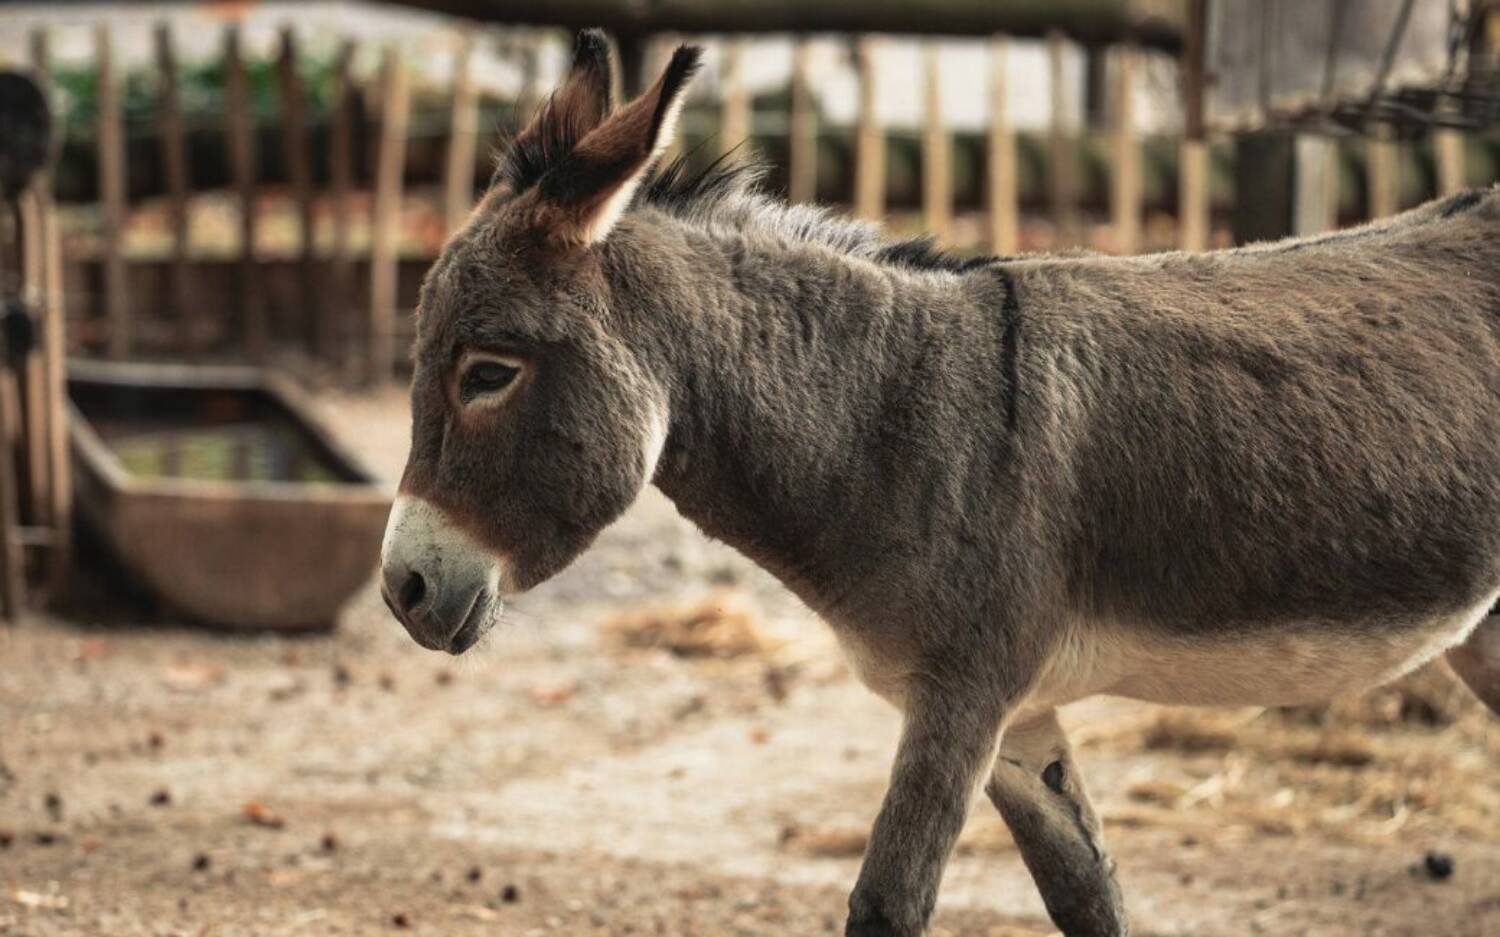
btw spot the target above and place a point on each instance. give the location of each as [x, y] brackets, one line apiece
[977, 473]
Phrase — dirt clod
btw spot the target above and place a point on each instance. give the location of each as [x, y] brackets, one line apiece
[1439, 865]
[201, 862]
[474, 875]
[161, 797]
[401, 920]
[54, 806]
[329, 843]
[261, 815]
[156, 741]
[510, 894]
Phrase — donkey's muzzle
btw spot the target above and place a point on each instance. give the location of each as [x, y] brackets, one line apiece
[436, 581]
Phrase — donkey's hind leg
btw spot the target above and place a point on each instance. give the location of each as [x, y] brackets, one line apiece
[1477, 662]
[1039, 792]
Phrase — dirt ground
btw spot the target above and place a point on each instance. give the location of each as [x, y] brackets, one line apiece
[594, 768]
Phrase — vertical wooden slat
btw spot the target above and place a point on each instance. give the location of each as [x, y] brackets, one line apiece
[1003, 207]
[802, 143]
[1312, 174]
[33, 376]
[173, 139]
[463, 139]
[1061, 146]
[112, 206]
[240, 137]
[1125, 178]
[734, 106]
[53, 356]
[1383, 172]
[937, 168]
[1448, 147]
[869, 137]
[1193, 192]
[299, 174]
[337, 321]
[384, 247]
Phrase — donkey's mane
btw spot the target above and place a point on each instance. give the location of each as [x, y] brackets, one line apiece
[730, 195]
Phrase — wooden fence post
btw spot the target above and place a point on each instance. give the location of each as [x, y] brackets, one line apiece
[240, 137]
[1125, 180]
[734, 105]
[1448, 151]
[173, 140]
[937, 167]
[1383, 172]
[112, 198]
[1001, 171]
[802, 131]
[337, 319]
[299, 174]
[1193, 182]
[869, 137]
[463, 139]
[53, 356]
[1062, 146]
[385, 237]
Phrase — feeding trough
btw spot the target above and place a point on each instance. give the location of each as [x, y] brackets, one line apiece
[220, 491]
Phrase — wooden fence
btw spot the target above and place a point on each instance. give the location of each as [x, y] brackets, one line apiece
[336, 308]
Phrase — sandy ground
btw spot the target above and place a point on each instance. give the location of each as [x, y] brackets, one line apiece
[161, 779]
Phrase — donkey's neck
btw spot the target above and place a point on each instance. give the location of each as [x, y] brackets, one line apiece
[811, 392]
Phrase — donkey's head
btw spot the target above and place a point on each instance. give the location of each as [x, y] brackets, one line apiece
[534, 425]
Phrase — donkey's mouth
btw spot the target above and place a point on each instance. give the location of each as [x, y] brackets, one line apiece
[474, 624]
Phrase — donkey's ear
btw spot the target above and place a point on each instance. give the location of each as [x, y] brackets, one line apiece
[579, 104]
[582, 197]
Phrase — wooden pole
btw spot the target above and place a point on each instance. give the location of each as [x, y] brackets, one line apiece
[1448, 147]
[734, 107]
[1062, 146]
[1383, 172]
[1003, 201]
[337, 319]
[1193, 192]
[802, 143]
[937, 167]
[1314, 170]
[240, 137]
[463, 139]
[384, 247]
[299, 174]
[1125, 181]
[36, 496]
[869, 138]
[173, 139]
[53, 357]
[112, 196]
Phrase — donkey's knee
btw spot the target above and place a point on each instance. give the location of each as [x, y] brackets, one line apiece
[1477, 662]
[1039, 792]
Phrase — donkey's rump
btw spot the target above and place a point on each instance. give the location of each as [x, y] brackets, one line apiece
[1306, 431]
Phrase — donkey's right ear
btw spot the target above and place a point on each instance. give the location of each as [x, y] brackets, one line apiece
[578, 105]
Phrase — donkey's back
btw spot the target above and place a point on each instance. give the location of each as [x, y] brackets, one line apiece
[1287, 457]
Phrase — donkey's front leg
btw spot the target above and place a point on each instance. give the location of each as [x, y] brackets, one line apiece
[946, 744]
[1038, 790]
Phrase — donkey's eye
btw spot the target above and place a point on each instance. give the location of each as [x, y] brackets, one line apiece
[486, 376]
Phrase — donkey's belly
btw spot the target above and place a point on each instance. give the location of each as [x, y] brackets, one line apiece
[1275, 667]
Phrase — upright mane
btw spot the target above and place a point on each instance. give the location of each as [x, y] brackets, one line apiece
[730, 195]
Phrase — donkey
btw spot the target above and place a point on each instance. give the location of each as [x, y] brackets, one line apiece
[1261, 476]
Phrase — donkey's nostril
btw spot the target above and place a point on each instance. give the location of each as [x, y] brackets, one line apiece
[412, 591]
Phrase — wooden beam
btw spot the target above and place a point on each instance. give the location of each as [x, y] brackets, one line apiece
[1004, 206]
[385, 258]
[113, 210]
[1193, 181]
[1062, 148]
[937, 164]
[173, 140]
[299, 174]
[1154, 23]
[869, 137]
[53, 355]
[337, 320]
[734, 102]
[240, 139]
[802, 130]
[1383, 172]
[1125, 175]
[463, 138]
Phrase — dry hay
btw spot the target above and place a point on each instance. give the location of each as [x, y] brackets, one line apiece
[719, 627]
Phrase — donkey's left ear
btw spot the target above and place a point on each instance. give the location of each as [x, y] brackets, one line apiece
[582, 197]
